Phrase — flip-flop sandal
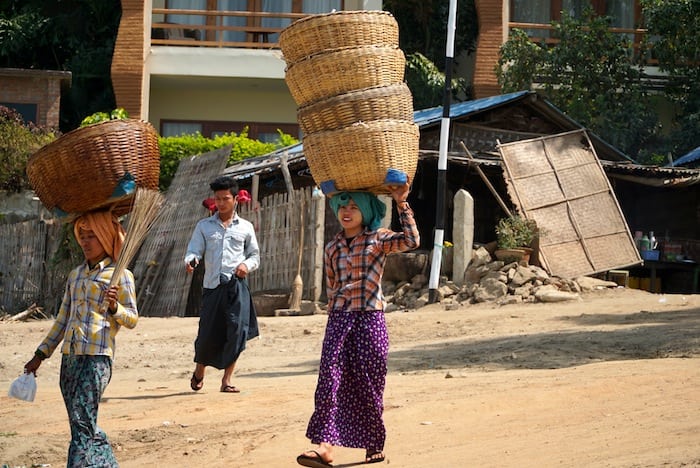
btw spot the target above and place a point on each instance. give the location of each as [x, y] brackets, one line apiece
[372, 457]
[313, 462]
[229, 389]
[195, 383]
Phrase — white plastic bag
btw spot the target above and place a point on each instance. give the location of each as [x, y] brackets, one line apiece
[23, 387]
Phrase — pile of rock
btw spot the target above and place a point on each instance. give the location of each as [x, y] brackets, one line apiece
[490, 280]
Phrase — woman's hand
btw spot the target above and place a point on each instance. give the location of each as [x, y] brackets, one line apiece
[112, 298]
[32, 365]
[400, 192]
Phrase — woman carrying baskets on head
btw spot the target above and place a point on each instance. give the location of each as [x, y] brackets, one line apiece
[350, 389]
[88, 331]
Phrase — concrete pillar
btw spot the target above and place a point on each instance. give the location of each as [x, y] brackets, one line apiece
[462, 235]
[319, 210]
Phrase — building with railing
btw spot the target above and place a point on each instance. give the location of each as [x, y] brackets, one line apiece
[215, 66]
[498, 18]
[211, 66]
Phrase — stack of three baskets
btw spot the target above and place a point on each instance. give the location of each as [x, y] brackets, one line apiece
[345, 71]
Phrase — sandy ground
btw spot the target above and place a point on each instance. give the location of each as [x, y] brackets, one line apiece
[612, 380]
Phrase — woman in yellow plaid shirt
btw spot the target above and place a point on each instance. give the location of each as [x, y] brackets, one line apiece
[88, 334]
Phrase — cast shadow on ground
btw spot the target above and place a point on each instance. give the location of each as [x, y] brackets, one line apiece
[640, 335]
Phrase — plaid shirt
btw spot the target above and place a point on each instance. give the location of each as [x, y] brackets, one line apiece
[354, 272]
[80, 324]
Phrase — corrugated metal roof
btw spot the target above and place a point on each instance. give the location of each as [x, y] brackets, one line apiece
[427, 117]
[688, 158]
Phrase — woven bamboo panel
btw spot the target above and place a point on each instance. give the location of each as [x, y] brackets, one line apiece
[358, 157]
[329, 74]
[166, 243]
[316, 33]
[80, 170]
[559, 182]
[382, 102]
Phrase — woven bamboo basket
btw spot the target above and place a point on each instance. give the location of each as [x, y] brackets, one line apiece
[359, 157]
[82, 170]
[340, 71]
[317, 33]
[393, 102]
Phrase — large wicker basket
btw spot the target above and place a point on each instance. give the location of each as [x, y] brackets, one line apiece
[329, 74]
[318, 33]
[393, 102]
[360, 156]
[86, 168]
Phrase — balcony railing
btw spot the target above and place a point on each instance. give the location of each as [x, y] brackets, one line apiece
[214, 28]
[634, 35]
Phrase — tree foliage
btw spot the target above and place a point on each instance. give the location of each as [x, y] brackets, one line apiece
[674, 31]
[70, 35]
[18, 141]
[423, 27]
[589, 74]
[173, 149]
[423, 36]
[427, 83]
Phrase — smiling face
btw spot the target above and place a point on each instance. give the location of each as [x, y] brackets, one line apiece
[350, 218]
[92, 249]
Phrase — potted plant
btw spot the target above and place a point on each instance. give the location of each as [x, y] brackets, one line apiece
[514, 237]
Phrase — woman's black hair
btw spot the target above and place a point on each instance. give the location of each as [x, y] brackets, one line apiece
[225, 183]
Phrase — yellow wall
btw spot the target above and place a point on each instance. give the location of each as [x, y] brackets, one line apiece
[221, 105]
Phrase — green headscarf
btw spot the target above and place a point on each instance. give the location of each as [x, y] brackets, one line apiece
[371, 208]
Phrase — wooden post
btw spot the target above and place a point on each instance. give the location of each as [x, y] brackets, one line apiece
[319, 207]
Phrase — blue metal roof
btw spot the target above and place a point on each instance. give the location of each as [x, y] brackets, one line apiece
[433, 115]
[693, 156]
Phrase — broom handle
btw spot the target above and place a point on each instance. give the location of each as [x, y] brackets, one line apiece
[301, 234]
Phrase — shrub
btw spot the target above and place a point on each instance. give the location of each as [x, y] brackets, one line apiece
[515, 231]
[173, 149]
[18, 141]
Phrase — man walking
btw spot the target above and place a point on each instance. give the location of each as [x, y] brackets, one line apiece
[228, 245]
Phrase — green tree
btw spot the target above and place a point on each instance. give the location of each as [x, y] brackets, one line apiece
[674, 33]
[70, 35]
[423, 27]
[589, 74]
[18, 141]
[423, 36]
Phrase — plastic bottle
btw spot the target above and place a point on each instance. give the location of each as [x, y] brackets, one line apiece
[638, 239]
[652, 241]
[644, 243]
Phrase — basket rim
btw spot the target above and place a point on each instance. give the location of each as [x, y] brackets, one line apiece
[342, 51]
[356, 93]
[80, 130]
[321, 16]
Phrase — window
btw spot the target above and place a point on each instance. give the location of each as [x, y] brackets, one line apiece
[245, 21]
[624, 13]
[29, 112]
[266, 132]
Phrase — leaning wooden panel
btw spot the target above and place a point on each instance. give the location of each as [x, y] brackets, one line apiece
[584, 230]
[604, 257]
[605, 219]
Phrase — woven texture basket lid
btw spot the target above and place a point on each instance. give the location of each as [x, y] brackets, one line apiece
[96, 167]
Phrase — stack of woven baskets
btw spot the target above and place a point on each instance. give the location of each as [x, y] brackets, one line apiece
[96, 167]
[345, 71]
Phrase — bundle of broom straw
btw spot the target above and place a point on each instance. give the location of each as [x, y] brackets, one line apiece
[145, 211]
